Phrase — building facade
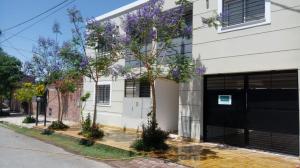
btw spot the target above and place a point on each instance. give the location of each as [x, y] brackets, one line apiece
[249, 95]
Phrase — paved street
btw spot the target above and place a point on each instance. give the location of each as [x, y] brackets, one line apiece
[19, 151]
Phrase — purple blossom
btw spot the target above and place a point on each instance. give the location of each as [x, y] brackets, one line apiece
[91, 21]
[188, 31]
[153, 34]
[84, 62]
[200, 70]
[176, 73]
[126, 39]
[144, 19]
[45, 42]
[138, 25]
[55, 68]
[103, 35]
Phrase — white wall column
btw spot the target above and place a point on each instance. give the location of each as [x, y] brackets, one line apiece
[190, 121]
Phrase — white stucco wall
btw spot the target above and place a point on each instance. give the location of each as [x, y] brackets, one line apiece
[135, 110]
[167, 104]
[107, 115]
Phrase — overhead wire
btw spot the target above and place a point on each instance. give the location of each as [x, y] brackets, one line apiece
[16, 49]
[32, 18]
[22, 30]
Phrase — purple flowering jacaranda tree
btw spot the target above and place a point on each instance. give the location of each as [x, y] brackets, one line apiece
[45, 63]
[45, 60]
[49, 67]
[154, 28]
[95, 49]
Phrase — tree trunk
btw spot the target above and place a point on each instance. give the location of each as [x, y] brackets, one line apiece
[10, 99]
[64, 102]
[29, 108]
[59, 105]
[1, 101]
[152, 83]
[46, 100]
[95, 106]
[62, 106]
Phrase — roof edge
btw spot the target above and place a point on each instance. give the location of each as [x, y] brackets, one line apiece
[121, 10]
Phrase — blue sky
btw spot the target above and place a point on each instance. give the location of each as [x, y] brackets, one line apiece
[13, 12]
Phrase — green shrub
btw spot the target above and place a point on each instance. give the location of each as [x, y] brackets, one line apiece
[28, 120]
[58, 125]
[89, 131]
[47, 132]
[153, 138]
[86, 142]
[138, 144]
[86, 124]
[93, 133]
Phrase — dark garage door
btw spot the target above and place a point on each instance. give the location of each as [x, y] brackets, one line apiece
[257, 110]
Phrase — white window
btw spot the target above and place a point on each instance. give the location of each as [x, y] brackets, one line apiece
[103, 94]
[239, 14]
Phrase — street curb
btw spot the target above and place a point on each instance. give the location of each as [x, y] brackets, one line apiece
[6, 125]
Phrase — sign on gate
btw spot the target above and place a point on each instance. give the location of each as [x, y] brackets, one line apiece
[224, 100]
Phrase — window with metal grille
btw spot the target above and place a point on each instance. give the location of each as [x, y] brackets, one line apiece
[144, 89]
[275, 80]
[103, 94]
[135, 88]
[225, 82]
[241, 11]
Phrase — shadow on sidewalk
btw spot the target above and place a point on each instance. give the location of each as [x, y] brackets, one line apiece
[9, 114]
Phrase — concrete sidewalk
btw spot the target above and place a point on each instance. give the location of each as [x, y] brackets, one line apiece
[189, 153]
[17, 119]
[204, 155]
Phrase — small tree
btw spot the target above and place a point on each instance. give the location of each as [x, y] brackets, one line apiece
[152, 29]
[83, 100]
[102, 39]
[27, 92]
[46, 63]
[49, 67]
[150, 25]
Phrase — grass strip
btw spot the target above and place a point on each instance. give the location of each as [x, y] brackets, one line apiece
[97, 151]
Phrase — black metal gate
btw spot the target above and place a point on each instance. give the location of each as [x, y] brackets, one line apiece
[255, 110]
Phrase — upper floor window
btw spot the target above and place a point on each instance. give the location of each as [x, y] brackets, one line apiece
[136, 88]
[239, 13]
[103, 92]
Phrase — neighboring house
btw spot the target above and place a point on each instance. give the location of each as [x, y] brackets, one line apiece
[70, 104]
[249, 95]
